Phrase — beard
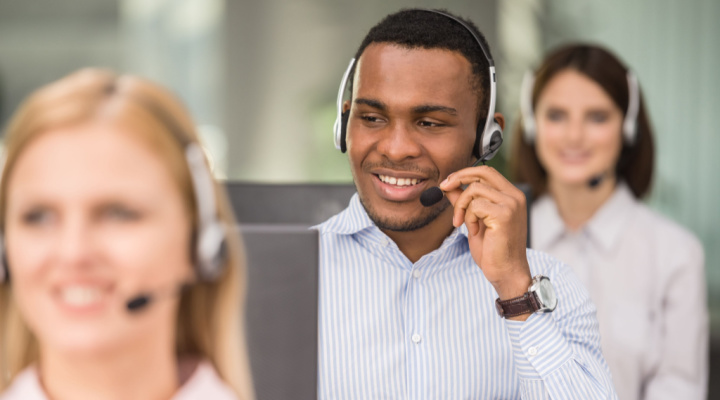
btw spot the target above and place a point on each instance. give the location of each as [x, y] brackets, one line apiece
[406, 225]
[393, 223]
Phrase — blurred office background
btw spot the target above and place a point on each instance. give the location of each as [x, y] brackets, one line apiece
[261, 77]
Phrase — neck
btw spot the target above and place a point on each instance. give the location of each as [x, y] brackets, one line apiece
[578, 203]
[148, 372]
[415, 244]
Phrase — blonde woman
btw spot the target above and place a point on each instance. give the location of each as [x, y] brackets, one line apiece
[120, 279]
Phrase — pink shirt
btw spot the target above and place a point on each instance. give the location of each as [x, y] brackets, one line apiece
[204, 383]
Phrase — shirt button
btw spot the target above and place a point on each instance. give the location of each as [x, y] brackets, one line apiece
[532, 351]
[417, 273]
[385, 242]
[416, 338]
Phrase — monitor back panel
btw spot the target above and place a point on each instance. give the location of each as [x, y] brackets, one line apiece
[282, 310]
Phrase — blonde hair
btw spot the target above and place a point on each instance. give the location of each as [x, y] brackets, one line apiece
[210, 322]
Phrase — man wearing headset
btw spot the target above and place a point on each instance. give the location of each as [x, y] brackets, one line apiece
[430, 293]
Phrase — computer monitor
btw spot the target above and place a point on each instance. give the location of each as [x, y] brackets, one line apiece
[295, 203]
[282, 309]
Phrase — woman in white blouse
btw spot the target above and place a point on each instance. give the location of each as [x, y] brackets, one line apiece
[585, 146]
[120, 279]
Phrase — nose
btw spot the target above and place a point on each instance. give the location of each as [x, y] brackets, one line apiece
[398, 142]
[575, 131]
[74, 242]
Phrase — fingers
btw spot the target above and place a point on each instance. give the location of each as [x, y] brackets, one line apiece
[477, 190]
[480, 201]
[484, 174]
[475, 216]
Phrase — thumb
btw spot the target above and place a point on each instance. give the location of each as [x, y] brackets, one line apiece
[453, 195]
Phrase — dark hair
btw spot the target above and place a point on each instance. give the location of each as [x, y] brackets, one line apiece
[414, 28]
[635, 164]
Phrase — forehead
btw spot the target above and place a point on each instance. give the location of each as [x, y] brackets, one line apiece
[89, 158]
[572, 89]
[389, 70]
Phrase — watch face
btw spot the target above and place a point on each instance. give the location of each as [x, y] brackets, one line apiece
[545, 294]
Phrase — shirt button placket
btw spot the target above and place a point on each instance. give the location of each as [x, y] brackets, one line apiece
[416, 326]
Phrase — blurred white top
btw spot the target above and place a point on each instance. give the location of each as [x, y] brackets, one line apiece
[204, 383]
[646, 275]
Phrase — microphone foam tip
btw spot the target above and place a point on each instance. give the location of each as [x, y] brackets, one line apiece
[138, 303]
[431, 196]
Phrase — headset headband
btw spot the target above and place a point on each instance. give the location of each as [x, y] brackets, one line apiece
[630, 123]
[488, 147]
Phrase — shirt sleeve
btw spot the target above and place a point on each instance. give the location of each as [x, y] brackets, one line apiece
[557, 355]
[682, 372]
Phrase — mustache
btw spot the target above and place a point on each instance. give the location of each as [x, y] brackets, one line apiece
[431, 173]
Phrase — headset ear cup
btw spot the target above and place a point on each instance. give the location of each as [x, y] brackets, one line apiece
[211, 252]
[528, 131]
[491, 141]
[477, 146]
[343, 130]
[4, 270]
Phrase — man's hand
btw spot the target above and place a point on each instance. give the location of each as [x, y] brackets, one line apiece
[494, 212]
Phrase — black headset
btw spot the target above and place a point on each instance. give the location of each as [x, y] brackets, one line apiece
[210, 239]
[488, 136]
[629, 123]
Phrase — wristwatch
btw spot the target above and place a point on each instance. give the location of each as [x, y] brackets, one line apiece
[540, 297]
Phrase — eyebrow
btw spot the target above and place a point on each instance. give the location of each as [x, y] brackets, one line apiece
[423, 109]
[372, 103]
[428, 108]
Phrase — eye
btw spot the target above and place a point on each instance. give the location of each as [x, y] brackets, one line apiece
[119, 212]
[555, 115]
[598, 117]
[430, 124]
[370, 119]
[37, 216]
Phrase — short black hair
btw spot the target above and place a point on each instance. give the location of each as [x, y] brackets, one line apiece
[416, 28]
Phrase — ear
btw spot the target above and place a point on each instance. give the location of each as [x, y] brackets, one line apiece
[346, 105]
[500, 120]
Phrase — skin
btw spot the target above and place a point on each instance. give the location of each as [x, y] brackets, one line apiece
[91, 206]
[579, 137]
[413, 116]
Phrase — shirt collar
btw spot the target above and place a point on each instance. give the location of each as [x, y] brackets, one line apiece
[609, 220]
[203, 382]
[351, 220]
[26, 386]
[604, 226]
[547, 225]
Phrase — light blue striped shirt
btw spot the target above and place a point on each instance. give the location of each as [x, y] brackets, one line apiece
[391, 329]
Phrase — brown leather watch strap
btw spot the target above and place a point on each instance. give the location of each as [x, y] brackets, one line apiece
[525, 304]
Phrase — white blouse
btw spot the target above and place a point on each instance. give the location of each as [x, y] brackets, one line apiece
[204, 383]
[646, 276]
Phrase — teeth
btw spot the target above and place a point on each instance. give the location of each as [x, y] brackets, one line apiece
[80, 296]
[573, 155]
[398, 181]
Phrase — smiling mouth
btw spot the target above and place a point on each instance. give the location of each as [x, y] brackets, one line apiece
[81, 296]
[574, 155]
[399, 182]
